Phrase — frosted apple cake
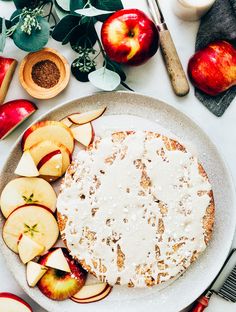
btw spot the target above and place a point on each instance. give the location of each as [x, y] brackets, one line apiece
[136, 208]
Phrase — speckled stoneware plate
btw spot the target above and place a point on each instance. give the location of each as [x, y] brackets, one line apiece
[140, 112]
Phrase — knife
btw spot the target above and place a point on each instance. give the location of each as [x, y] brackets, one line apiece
[174, 67]
[223, 285]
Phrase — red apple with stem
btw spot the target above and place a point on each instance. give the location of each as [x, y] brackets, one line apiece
[213, 69]
[129, 36]
[7, 69]
[13, 113]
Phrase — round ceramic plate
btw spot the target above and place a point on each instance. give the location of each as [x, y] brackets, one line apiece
[137, 111]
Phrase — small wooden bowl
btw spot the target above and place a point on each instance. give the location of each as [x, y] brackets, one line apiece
[25, 73]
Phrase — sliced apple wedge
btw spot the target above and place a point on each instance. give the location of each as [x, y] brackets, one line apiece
[26, 166]
[21, 191]
[83, 134]
[28, 249]
[34, 220]
[44, 148]
[80, 119]
[34, 272]
[48, 130]
[91, 299]
[57, 260]
[7, 69]
[89, 291]
[13, 303]
[51, 164]
[66, 122]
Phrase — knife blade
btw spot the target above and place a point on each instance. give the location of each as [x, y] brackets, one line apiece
[173, 64]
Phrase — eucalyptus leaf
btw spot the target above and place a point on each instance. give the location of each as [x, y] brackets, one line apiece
[116, 68]
[64, 27]
[34, 42]
[7, 23]
[92, 11]
[104, 79]
[80, 76]
[77, 4]
[20, 4]
[63, 5]
[85, 36]
[60, 13]
[3, 36]
[107, 5]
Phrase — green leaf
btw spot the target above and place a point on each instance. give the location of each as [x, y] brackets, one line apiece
[20, 4]
[64, 27]
[81, 76]
[107, 5]
[3, 36]
[7, 23]
[116, 68]
[104, 79]
[85, 36]
[60, 13]
[77, 4]
[92, 11]
[34, 42]
[63, 5]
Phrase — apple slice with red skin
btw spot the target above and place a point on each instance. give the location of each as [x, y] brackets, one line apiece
[90, 291]
[7, 69]
[11, 302]
[60, 285]
[57, 260]
[37, 221]
[48, 130]
[50, 166]
[26, 166]
[83, 118]
[21, 191]
[12, 114]
[95, 298]
[83, 134]
[34, 272]
[66, 122]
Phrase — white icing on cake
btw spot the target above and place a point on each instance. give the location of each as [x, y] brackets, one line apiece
[139, 200]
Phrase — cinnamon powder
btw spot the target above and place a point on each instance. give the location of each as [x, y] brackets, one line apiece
[45, 74]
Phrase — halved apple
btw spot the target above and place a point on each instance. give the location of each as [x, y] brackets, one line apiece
[56, 260]
[21, 191]
[13, 303]
[44, 148]
[91, 299]
[83, 134]
[28, 249]
[26, 166]
[13, 113]
[7, 69]
[80, 119]
[51, 165]
[34, 220]
[34, 272]
[66, 122]
[48, 130]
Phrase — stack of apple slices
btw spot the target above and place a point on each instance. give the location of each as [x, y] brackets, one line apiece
[81, 125]
[47, 149]
[28, 205]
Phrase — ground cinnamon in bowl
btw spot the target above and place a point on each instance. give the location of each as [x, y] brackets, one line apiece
[45, 74]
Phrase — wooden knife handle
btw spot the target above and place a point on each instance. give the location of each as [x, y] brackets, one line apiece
[201, 305]
[174, 67]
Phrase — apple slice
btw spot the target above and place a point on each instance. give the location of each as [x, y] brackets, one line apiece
[44, 148]
[28, 249]
[83, 134]
[7, 69]
[12, 114]
[26, 166]
[95, 298]
[34, 220]
[57, 260]
[21, 191]
[66, 122]
[13, 303]
[61, 285]
[48, 130]
[80, 119]
[89, 291]
[34, 272]
[51, 164]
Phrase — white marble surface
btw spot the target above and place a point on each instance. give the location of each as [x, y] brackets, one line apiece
[150, 79]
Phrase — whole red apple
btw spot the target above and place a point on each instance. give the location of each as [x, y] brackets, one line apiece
[213, 69]
[130, 37]
[12, 114]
